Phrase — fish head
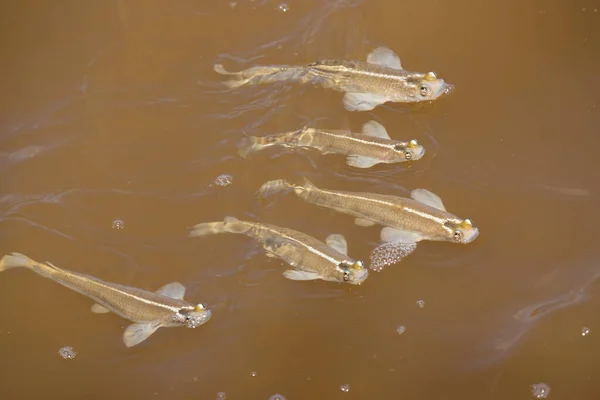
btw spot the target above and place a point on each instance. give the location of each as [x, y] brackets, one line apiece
[429, 87]
[193, 317]
[410, 151]
[354, 272]
[464, 231]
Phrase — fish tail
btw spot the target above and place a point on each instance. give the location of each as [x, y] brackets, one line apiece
[262, 74]
[281, 185]
[251, 144]
[16, 260]
[275, 186]
[207, 228]
[228, 225]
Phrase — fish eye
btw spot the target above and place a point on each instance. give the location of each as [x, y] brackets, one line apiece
[424, 90]
[458, 235]
[346, 276]
[408, 154]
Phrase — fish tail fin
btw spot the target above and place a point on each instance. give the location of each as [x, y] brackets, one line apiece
[249, 144]
[275, 186]
[228, 225]
[207, 228]
[16, 260]
[262, 74]
[234, 225]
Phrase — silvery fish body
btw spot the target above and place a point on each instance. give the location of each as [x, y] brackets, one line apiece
[366, 85]
[362, 150]
[311, 258]
[148, 310]
[405, 220]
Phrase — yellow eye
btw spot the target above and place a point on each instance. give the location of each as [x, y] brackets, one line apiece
[199, 308]
[466, 224]
[430, 76]
[413, 143]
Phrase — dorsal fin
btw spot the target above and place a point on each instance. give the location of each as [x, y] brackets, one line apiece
[384, 57]
[426, 197]
[375, 129]
[174, 290]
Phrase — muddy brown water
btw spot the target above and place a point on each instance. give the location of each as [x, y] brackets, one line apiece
[111, 115]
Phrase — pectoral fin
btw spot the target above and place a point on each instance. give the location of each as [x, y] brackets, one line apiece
[296, 275]
[362, 101]
[392, 235]
[137, 333]
[337, 242]
[361, 161]
[98, 309]
[385, 57]
[363, 222]
[174, 290]
[374, 128]
[426, 197]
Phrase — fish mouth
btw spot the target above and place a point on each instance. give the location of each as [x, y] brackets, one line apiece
[474, 232]
[445, 89]
[360, 276]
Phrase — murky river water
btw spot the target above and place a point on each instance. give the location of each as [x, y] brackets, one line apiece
[115, 128]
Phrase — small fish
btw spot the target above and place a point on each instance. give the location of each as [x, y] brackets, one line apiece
[148, 310]
[362, 150]
[405, 220]
[311, 258]
[366, 84]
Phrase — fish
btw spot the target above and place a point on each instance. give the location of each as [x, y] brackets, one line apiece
[362, 150]
[423, 216]
[310, 258]
[366, 85]
[148, 310]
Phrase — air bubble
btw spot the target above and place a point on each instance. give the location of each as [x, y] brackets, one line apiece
[221, 396]
[223, 180]
[67, 353]
[585, 331]
[345, 388]
[540, 390]
[277, 397]
[254, 373]
[283, 7]
[420, 303]
[118, 224]
[401, 329]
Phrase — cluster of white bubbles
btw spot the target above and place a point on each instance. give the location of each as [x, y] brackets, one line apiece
[67, 353]
[345, 388]
[223, 180]
[221, 396]
[585, 331]
[540, 390]
[277, 397]
[390, 253]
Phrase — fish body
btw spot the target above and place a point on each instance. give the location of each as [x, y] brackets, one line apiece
[310, 257]
[366, 84]
[405, 220]
[362, 150]
[148, 310]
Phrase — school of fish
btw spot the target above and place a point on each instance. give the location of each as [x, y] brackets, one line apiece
[405, 221]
